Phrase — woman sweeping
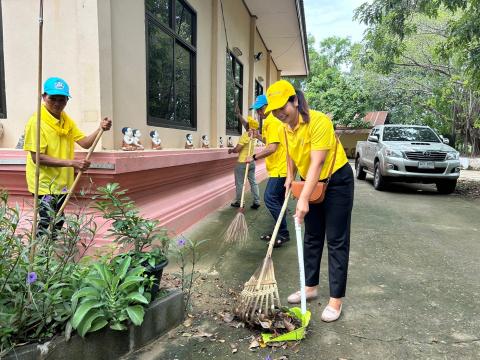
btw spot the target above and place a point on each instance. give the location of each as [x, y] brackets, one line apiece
[314, 152]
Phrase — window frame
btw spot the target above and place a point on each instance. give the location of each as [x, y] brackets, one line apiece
[3, 99]
[170, 31]
[235, 61]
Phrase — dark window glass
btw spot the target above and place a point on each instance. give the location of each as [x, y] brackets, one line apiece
[160, 10]
[234, 93]
[184, 22]
[3, 103]
[258, 88]
[183, 86]
[170, 65]
[409, 134]
[160, 74]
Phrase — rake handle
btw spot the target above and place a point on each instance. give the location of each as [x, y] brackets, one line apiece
[274, 237]
[80, 173]
[301, 266]
[245, 177]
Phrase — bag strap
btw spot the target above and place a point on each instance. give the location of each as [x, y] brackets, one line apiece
[334, 155]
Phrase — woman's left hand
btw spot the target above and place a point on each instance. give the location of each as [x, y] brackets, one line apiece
[302, 209]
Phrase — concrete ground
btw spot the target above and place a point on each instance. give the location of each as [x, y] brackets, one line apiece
[413, 288]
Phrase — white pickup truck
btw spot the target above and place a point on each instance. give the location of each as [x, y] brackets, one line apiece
[407, 153]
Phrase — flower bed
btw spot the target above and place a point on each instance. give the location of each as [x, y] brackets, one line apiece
[49, 288]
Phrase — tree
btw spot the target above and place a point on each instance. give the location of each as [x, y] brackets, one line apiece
[416, 55]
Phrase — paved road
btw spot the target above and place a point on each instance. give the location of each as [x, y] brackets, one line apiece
[413, 290]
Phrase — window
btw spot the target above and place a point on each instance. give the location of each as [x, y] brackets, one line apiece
[3, 103]
[258, 88]
[234, 93]
[171, 60]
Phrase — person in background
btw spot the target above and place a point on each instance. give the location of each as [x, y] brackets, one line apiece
[58, 135]
[276, 164]
[242, 149]
[313, 148]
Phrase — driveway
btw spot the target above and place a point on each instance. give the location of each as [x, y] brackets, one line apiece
[413, 289]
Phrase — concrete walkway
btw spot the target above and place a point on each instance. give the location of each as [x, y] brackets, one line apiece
[470, 175]
[413, 291]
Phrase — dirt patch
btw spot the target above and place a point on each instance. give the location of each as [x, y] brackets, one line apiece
[468, 188]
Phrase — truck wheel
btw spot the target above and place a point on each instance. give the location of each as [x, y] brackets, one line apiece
[378, 180]
[446, 187]
[359, 172]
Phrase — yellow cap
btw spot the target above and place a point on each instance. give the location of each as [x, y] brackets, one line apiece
[278, 94]
[252, 123]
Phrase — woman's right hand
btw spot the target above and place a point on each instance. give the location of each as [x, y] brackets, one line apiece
[288, 184]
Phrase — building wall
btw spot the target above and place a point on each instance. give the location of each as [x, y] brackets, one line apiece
[70, 50]
[261, 66]
[98, 47]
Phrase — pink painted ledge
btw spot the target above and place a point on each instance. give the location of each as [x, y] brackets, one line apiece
[177, 187]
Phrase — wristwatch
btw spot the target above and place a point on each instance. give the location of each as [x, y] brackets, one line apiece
[254, 157]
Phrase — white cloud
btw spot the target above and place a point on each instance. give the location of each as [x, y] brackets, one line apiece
[327, 18]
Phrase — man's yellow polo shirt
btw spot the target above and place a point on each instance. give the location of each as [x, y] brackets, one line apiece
[276, 163]
[53, 180]
[317, 134]
[245, 151]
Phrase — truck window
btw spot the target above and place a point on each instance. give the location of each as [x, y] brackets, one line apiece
[414, 134]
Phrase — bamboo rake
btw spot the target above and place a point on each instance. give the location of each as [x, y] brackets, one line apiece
[237, 232]
[260, 294]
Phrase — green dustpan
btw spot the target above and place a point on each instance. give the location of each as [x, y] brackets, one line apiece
[295, 335]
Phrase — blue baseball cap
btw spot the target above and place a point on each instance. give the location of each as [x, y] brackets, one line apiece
[260, 102]
[56, 86]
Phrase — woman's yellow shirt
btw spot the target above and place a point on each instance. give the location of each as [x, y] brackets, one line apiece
[317, 134]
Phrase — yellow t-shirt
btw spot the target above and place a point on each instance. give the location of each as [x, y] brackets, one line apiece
[318, 134]
[276, 163]
[53, 180]
[245, 151]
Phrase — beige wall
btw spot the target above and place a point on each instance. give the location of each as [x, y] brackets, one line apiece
[260, 66]
[98, 47]
[70, 51]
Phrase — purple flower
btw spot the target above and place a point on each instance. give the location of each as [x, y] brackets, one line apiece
[47, 198]
[31, 277]
[181, 242]
[65, 189]
[268, 357]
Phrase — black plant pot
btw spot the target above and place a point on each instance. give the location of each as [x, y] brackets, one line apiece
[156, 272]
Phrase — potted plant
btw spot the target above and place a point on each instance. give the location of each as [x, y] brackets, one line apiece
[143, 239]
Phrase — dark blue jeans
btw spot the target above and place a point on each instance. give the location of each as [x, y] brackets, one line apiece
[274, 197]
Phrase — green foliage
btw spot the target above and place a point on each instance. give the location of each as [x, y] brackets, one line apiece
[129, 229]
[35, 297]
[111, 293]
[430, 52]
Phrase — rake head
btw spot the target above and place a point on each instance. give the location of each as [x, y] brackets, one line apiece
[237, 232]
[260, 294]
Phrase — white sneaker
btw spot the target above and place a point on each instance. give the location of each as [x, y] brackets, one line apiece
[329, 314]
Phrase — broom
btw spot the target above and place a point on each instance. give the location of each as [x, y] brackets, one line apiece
[237, 232]
[260, 294]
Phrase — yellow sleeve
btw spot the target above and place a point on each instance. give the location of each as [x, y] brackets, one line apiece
[30, 143]
[274, 132]
[77, 134]
[244, 139]
[321, 132]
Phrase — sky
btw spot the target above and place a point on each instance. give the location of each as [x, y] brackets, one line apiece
[326, 18]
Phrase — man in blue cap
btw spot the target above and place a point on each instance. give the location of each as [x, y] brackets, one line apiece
[276, 163]
[58, 134]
